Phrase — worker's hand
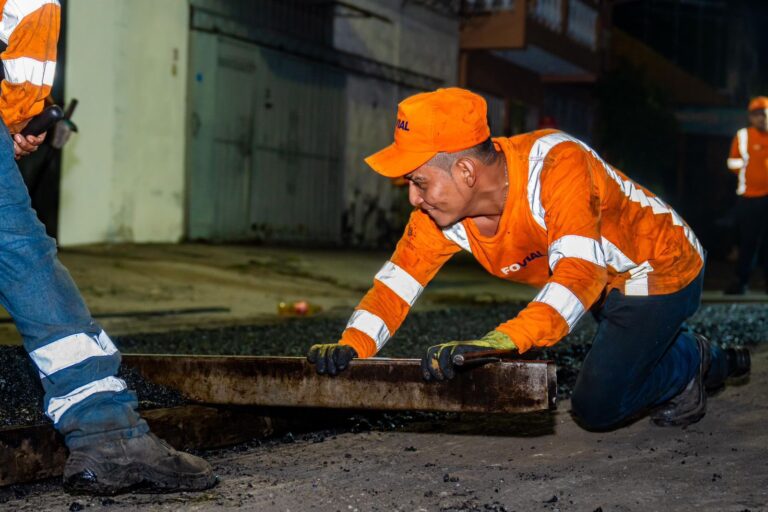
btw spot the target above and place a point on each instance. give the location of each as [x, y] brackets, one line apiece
[22, 146]
[330, 358]
[437, 364]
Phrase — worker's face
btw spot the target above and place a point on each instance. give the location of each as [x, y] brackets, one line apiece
[759, 119]
[440, 194]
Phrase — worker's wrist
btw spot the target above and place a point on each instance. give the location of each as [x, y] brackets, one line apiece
[358, 340]
[500, 340]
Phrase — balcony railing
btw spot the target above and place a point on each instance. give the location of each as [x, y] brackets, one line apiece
[582, 23]
[486, 6]
[548, 12]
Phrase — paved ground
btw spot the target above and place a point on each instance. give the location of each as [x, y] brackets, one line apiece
[538, 462]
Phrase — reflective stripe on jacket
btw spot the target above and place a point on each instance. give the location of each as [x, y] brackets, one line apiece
[572, 227]
[749, 160]
[30, 28]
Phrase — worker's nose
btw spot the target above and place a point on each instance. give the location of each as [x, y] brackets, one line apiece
[414, 195]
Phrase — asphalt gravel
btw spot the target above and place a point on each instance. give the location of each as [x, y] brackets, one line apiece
[21, 393]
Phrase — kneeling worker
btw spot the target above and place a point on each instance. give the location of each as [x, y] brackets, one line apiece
[544, 209]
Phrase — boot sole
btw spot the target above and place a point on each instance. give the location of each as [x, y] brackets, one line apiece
[136, 478]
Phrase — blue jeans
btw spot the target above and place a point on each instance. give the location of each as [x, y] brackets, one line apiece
[642, 356]
[75, 358]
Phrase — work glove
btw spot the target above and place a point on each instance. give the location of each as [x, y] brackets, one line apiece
[330, 358]
[437, 364]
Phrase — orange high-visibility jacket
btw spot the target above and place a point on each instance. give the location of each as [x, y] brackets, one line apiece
[572, 226]
[30, 28]
[749, 160]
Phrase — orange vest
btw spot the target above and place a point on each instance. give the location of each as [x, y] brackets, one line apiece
[31, 29]
[572, 226]
[749, 160]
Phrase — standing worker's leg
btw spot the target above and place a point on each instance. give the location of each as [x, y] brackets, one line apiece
[763, 248]
[640, 358]
[76, 359]
[751, 226]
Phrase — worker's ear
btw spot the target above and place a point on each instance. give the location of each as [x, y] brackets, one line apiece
[465, 170]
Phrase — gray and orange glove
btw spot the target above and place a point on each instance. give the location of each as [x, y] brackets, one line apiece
[330, 358]
[437, 364]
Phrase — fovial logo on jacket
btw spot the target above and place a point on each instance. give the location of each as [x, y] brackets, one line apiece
[521, 264]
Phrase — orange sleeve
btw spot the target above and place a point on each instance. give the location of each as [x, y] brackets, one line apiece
[31, 29]
[571, 203]
[419, 254]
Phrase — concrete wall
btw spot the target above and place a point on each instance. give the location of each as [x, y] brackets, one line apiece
[403, 35]
[123, 174]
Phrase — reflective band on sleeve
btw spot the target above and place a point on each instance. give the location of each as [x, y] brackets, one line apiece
[575, 246]
[458, 235]
[743, 139]
[25, 69]
[371, 325]
[15, 11]
[735, 163]
[563, 301]
[70, 351]
[539, 152]
[61, 404]
[400, 282]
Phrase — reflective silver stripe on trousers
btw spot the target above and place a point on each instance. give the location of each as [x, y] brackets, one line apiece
[371, 325]
[458, 235]
[61, 404]
[575, 246]
[536, 157]
[563, 301]
[399, 281]
[743, 139]
[70, 351]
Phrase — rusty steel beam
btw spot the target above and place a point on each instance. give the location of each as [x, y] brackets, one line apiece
[373, 384]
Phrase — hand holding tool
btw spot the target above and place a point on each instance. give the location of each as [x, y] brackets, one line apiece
[441, 361]
[43, 121]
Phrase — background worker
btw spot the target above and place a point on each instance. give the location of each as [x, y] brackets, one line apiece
[111, 448]
[749, 160]
[543, 209]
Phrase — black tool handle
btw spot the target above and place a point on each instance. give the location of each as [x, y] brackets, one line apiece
[43, 121]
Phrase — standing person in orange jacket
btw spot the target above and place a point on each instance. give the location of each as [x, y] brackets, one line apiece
[749, 160]
[111, 449]
[544, 209]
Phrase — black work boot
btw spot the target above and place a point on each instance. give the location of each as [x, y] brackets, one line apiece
[739, 361]
[691, 404]
[144, 464]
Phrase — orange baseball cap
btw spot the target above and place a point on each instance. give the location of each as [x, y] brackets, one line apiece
[759, 103]
[445, 120]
